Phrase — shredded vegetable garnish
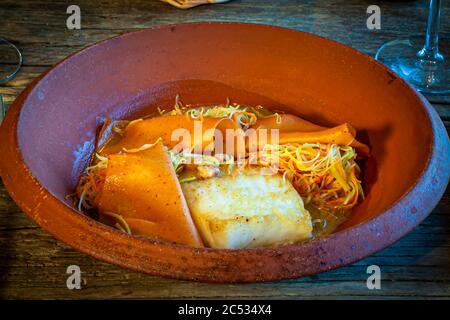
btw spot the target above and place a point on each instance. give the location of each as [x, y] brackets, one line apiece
[278, 120]
[143, 147]
[180, 159]
[91, 183]
[327, 176]
[244, 116]
[324, 175]
[121, 224]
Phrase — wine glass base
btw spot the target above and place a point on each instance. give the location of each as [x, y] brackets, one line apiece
[10, 60]
[427, 76]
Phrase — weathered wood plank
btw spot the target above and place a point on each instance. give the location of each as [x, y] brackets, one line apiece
[30, 258]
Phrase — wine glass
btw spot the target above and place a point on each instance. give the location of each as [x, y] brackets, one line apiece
[10, 63]
[421, 63]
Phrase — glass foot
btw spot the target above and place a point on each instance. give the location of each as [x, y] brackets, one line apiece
[427, 72]
[10, 60]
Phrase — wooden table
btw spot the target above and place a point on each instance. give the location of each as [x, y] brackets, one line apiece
[33, 264]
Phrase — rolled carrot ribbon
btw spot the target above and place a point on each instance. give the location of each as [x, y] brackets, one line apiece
[295, 130]
[286, 123]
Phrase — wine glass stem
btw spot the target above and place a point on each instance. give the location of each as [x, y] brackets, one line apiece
[430, 50]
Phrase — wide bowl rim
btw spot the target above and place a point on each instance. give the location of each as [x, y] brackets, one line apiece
[9, 129]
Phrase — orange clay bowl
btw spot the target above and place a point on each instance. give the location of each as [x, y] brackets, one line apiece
[49, 131]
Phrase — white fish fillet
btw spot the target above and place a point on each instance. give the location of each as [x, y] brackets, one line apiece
[249, 210]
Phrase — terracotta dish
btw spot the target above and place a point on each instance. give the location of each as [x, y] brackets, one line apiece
[48, 135]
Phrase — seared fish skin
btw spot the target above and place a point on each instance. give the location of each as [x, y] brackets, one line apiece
[247, 210]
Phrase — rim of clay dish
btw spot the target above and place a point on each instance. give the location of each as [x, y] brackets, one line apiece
[223, 265]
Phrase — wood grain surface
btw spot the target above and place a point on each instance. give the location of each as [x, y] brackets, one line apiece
[33, 264]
